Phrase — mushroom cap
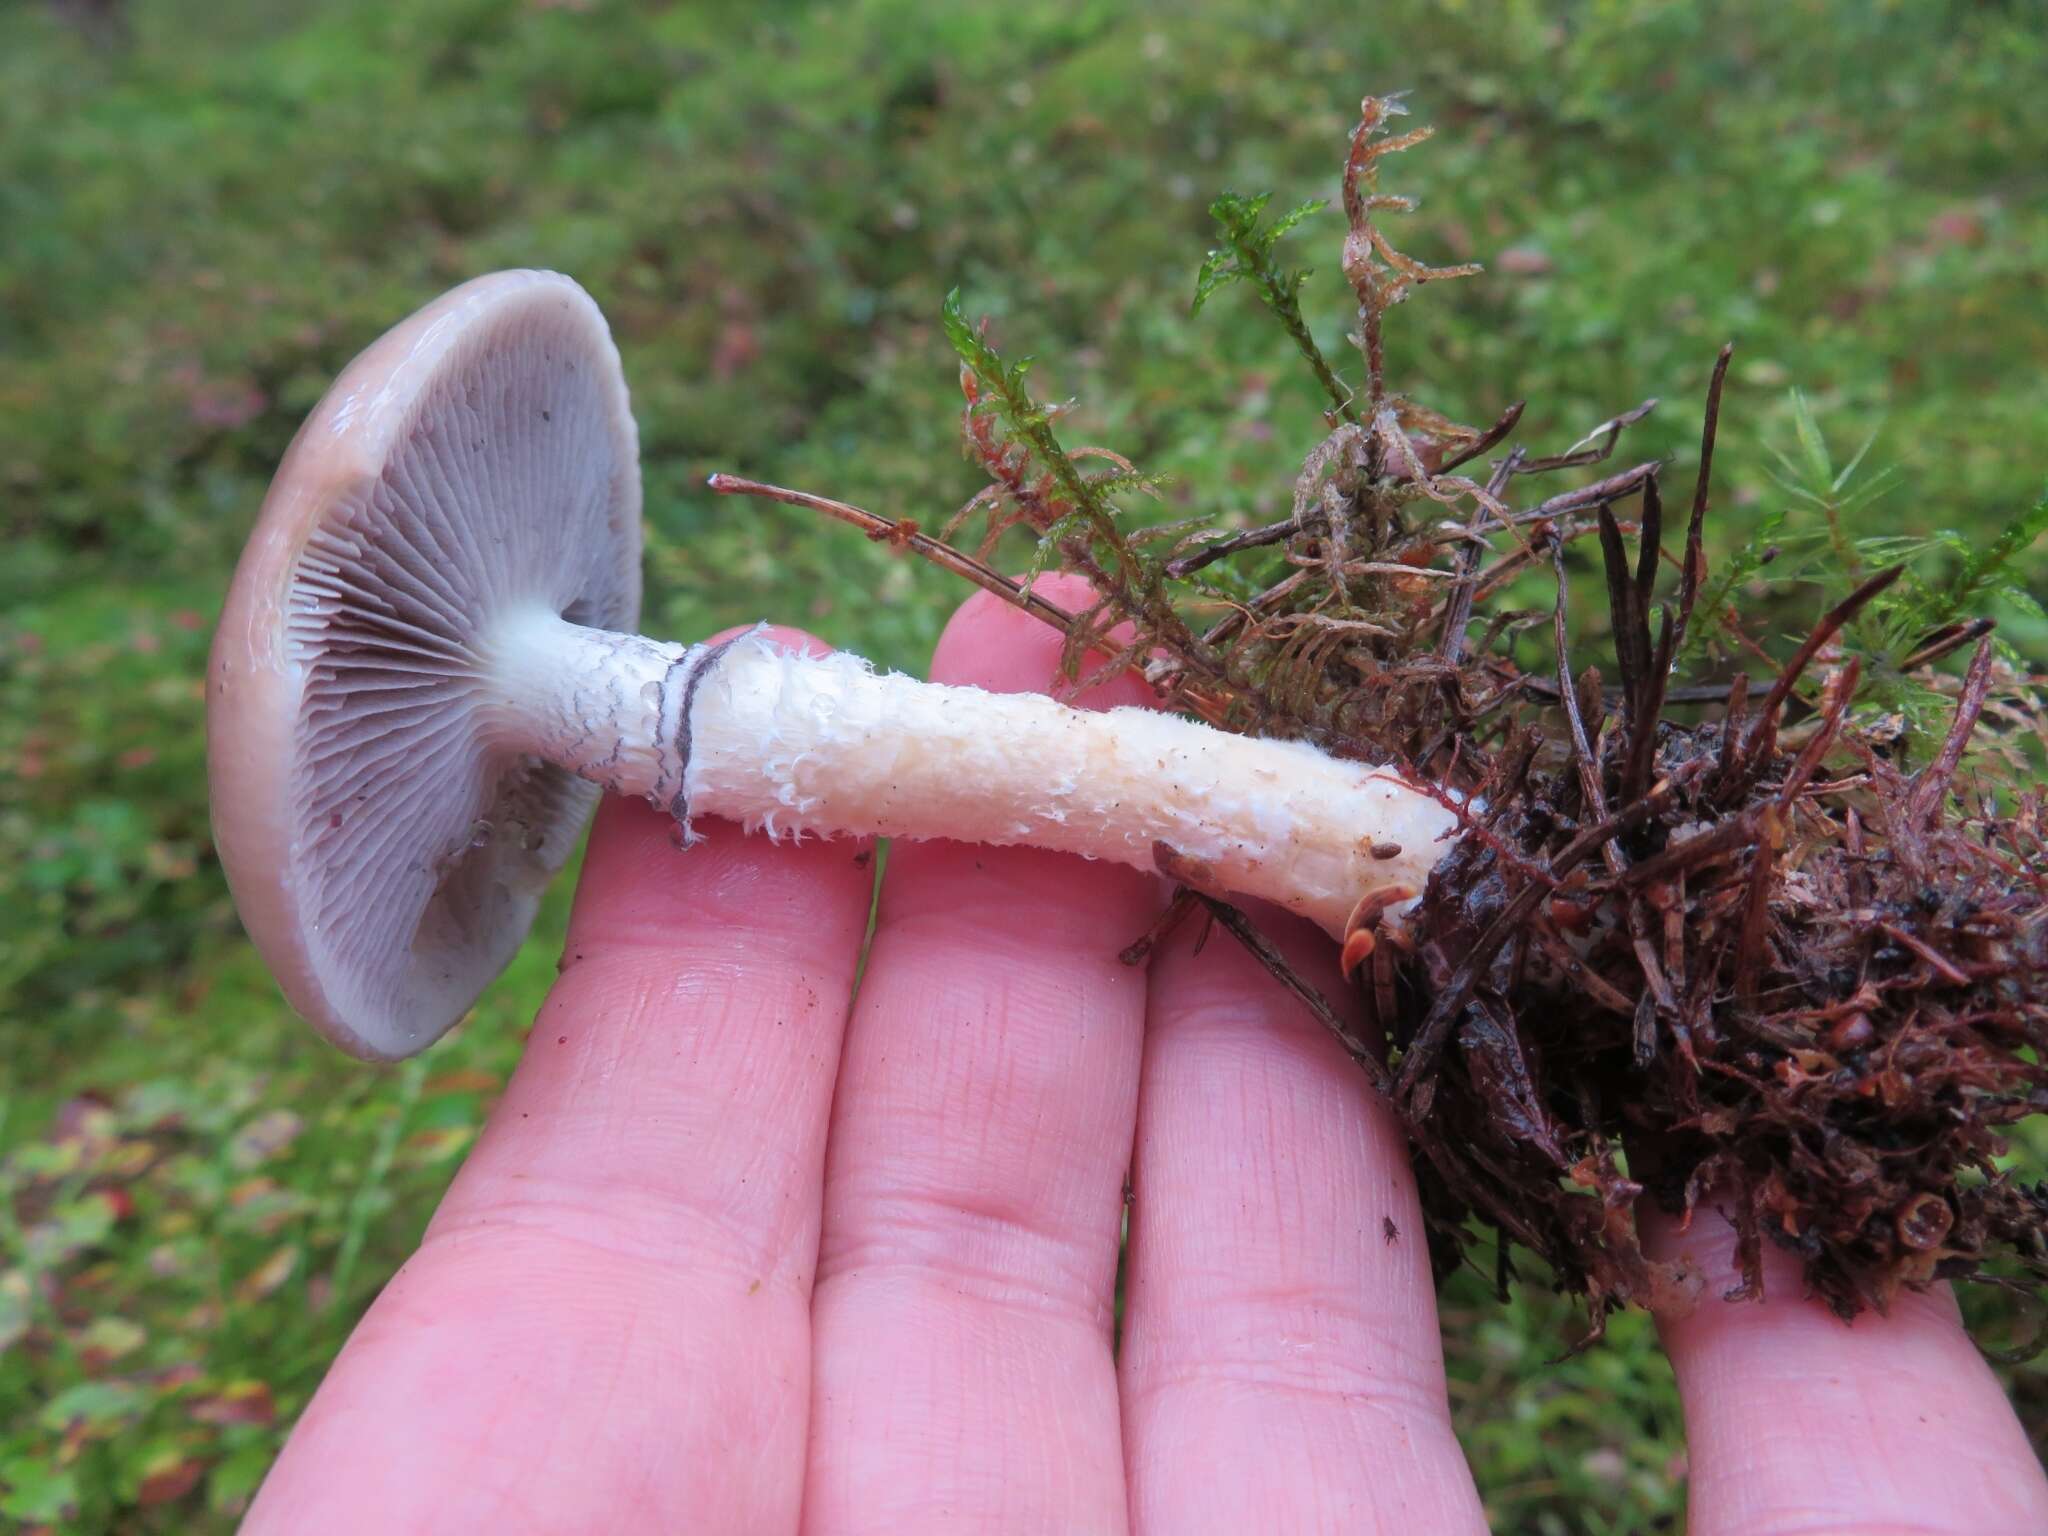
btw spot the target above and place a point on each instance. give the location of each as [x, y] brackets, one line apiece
[386, 850]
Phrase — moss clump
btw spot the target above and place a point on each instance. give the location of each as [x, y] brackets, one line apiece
[1754, 924]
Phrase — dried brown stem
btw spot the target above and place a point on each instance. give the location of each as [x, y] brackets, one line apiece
[1695, 570]
[903, 534]
[1492, 436]
[1928, 789]
[1762, 730]
[1241, 928]
[1175, 913]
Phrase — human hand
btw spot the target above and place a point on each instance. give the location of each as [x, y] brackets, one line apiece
[739, 1252]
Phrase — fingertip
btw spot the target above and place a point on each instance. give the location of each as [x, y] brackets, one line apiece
[995, 645]
[1199, 959]
[784, 636]
[974, 1190]
[1791, 1411]
[1705, 1251]
[1280, 1349]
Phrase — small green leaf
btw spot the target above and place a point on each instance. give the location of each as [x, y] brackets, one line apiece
[1819, 468]
[37, 1491]
[1238, 213]
[966, 340]
[1118, 481]
[233, 1482]
[2019, 597]
[1248, 257]
[1294, 216]
[1856, 458]
[92, 1405]
[1216, 271]
[1985, 573]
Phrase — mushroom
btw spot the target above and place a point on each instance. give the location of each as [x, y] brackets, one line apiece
[426, 671]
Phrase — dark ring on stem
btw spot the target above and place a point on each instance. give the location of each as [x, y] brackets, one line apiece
[679, 802]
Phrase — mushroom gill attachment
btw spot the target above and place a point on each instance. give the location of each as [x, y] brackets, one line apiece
[386, 841]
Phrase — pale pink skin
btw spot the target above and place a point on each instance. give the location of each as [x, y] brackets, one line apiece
[736, 1254]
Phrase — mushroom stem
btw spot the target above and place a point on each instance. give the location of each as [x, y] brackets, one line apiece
[789, 744]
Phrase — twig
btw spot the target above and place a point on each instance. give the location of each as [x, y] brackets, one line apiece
[904, 535]
[1632, 648]
[1695, 552]
[1737, 832]
[1934, 779]
[1691, 693]
[1757, 739]
[1834, 710]
[1586, 766]
[1458, 606]
[1492, 435]
[1595, 445]
[1241, 928]
[1613, 488]
[1749, 949]
[1172, 917]
[1952, 637]
[1943, 966]
[1182, 566]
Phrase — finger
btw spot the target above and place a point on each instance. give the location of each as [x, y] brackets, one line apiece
[607, 1324]
[1281, 1365]
[974, 1183]
[1798, 1423]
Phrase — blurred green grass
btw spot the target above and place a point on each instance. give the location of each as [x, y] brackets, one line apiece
[201, 222]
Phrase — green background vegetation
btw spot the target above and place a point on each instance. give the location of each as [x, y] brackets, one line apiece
[201, 221]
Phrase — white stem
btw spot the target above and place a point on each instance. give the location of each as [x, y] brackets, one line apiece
[789, 744]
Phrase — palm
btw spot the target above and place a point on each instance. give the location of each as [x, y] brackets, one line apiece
[720, 1263]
